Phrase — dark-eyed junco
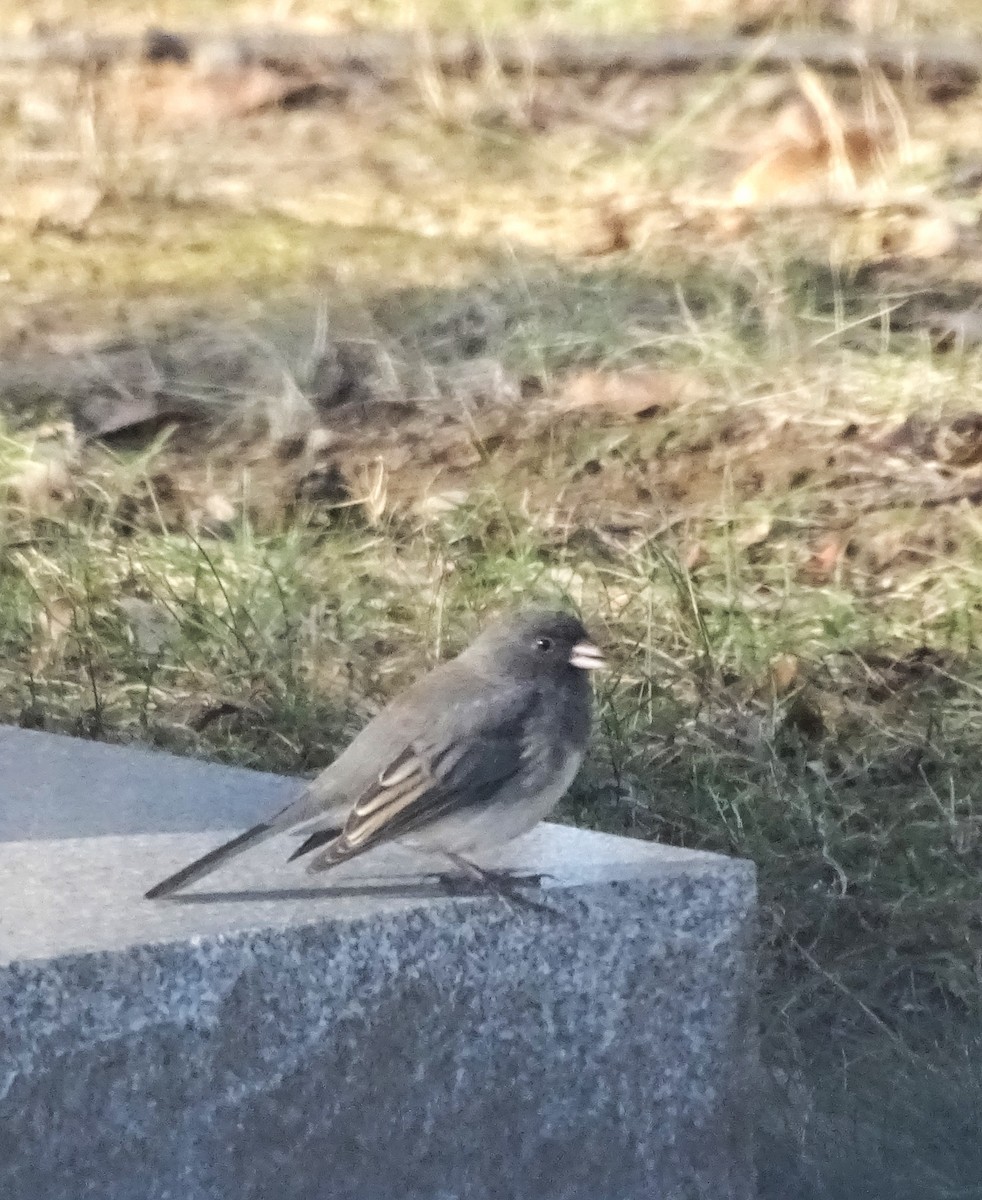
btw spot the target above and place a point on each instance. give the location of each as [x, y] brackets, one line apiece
[474, 754]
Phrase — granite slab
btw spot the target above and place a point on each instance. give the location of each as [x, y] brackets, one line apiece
[363, 1035]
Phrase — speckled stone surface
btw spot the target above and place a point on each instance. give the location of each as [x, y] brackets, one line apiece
[273, 1038]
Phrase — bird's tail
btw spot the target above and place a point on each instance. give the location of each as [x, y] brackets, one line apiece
[213, 859]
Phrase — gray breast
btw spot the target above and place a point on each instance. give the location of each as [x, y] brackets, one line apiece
[557, 731]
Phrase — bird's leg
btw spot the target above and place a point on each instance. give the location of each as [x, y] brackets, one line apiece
[504, 878]
[504, 883]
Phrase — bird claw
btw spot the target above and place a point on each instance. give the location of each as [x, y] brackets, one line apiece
[473, 878]
[508, 885]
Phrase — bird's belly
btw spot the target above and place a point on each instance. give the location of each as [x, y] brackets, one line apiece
[511, 814]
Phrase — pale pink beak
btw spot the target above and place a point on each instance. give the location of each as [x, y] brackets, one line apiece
[587, 657]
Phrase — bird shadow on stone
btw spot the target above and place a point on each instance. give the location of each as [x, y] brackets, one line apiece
[396, 889]
[405, 888]
[409, 888]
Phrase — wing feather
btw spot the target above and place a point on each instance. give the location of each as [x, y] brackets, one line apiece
[429, 778]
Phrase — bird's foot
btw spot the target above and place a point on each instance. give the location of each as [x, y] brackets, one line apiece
[469, 880]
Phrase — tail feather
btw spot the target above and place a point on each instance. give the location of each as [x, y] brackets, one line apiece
[316, 839]
[213, 859]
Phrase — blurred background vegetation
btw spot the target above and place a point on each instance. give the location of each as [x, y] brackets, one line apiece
[306, 369]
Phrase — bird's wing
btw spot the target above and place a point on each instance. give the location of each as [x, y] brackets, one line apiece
[471, 751]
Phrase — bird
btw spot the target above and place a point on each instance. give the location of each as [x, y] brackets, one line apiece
[471, 756]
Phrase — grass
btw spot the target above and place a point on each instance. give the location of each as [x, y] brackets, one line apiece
[380, 311]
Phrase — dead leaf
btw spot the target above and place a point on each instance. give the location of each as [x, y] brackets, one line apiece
[783, 673]
[52, 205]
[786, 168]
[823, 562]
[754, 534]
[925, 235]
[180, 94]
[571, 581]
[41, 487]
[217, 514]
[615, 229]
[636, 393]
[438, 504]
[881, 550]
[320, 440]
[40, 107]
[813, 148]
[795, 170]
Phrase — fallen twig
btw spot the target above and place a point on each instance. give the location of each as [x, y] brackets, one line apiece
[398, 54]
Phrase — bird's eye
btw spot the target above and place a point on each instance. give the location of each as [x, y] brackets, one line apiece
[543, 644]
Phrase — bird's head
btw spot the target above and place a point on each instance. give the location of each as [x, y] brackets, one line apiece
[534, 642]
